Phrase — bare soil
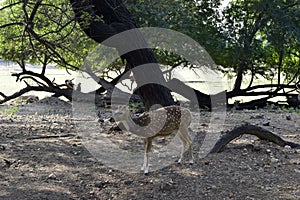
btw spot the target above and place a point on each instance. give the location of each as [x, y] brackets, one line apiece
[41, 157]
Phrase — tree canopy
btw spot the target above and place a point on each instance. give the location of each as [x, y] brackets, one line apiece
[256, 37]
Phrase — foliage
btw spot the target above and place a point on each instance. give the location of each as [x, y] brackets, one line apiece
[257, 36]
[198, 19]
[10, 111]
[261, 35]
[264, 36]
[42, 32]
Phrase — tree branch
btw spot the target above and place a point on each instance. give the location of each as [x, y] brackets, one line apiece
[62, 92]
[34, 79]
[3, 95]
[30, 73]
[12, 24]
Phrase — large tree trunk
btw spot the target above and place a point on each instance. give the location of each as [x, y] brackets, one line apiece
[111, 17]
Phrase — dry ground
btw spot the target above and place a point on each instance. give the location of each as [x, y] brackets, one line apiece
[35, 163]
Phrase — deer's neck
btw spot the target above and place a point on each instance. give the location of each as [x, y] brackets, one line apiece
[132, 123]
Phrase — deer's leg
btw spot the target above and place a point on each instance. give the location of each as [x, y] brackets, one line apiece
[148, 144]
[183, 141]
[145, 147]
[189, 141]
[191, 161]
[186, 137]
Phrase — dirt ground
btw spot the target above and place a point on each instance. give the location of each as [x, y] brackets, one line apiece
[41, 157]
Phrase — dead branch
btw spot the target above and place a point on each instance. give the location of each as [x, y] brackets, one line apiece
[30, 73]
[261, 133]
[62, 92]
[34, 79]
[49, 136]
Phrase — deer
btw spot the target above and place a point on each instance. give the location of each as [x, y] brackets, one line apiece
[161, 122]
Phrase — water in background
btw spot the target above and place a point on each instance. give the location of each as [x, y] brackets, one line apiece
[205, 81]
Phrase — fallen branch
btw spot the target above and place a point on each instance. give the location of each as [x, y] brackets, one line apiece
[261, 133]
[63, 92]
[49, 136]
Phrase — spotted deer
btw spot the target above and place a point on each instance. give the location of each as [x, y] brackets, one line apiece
[159, 123]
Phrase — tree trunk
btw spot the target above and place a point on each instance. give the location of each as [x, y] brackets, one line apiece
[239, 78]
[111, 17]
[280, 65]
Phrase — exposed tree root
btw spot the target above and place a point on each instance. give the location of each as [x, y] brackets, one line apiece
[261, 133]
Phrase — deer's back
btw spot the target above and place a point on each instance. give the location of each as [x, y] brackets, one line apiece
[164, 121]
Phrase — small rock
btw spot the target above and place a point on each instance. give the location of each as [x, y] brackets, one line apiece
[119, 127]
[76, 152]
[2, 148]
[162, 140]
[99, 184]
[288, 117]
[111, 119]
[92, 192]
[100, 120]
[287, 149]
[7, 163]
[213, 187]
[128, 182]
[203, 124]
[268, 188]
[244, 154]
[206, 163]
[231, 195]
[257, 117]
[168, 185]
[52, 176]
[274, 160]
[256, 148]
[295, 161]
[267, 166]
[266, 124]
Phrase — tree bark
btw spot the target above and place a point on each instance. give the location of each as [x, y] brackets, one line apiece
[239, 78]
